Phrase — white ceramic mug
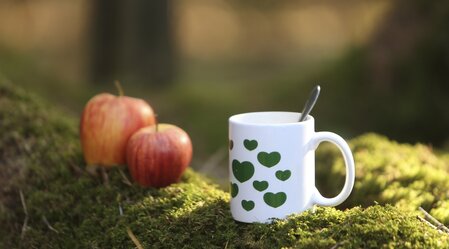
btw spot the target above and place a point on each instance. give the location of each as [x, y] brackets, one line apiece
[272, 165]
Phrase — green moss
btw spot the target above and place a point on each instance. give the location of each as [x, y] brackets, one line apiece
[41, 156]
[387, 172]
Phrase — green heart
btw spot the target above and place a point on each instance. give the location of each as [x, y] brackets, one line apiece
[260, 186]
[247, 205]
[250, 144]
[234, 189]
[242, 171]
[269, 159]
[283, 175]
[275, 200]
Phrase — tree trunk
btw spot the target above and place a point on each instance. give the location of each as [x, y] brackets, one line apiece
[132, 40]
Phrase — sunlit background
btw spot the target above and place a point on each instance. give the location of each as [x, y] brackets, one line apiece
[383, 65]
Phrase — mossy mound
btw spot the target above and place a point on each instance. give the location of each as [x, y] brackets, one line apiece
[68, 208]
[408, 176]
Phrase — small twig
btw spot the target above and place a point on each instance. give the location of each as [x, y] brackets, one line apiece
[77, 169]
[438, 224]
[128, 230]
[24, 227]
[226, 245]
[134, 238]
[105, 176]
[428, 223]
[48, 224]
[25, 210]
[125, 179]
[22, 199]
[427, 215]
[120, 209]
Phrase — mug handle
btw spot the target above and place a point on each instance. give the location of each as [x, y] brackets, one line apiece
[350, 170]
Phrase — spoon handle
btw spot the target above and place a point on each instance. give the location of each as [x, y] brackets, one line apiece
[310, 103]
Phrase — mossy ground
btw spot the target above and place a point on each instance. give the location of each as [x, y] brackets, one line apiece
[41, 157]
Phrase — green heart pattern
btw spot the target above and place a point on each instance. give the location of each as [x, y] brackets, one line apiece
[234, 189]
[275, 200]
[269, 159]
[260, 185]
[250, 144]
[248, 205]
[243, 171]
[283, 175]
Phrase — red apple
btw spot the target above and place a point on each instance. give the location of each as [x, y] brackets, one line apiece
[107, 123]
[158, 155]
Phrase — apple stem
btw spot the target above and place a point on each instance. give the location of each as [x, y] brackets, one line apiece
[119, 88]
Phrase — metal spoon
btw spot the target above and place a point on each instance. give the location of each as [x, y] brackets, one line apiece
[310, 103]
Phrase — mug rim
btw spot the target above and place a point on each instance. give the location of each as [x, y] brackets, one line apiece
[236, 119]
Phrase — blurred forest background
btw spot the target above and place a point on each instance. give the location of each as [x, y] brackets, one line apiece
[383, 65]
